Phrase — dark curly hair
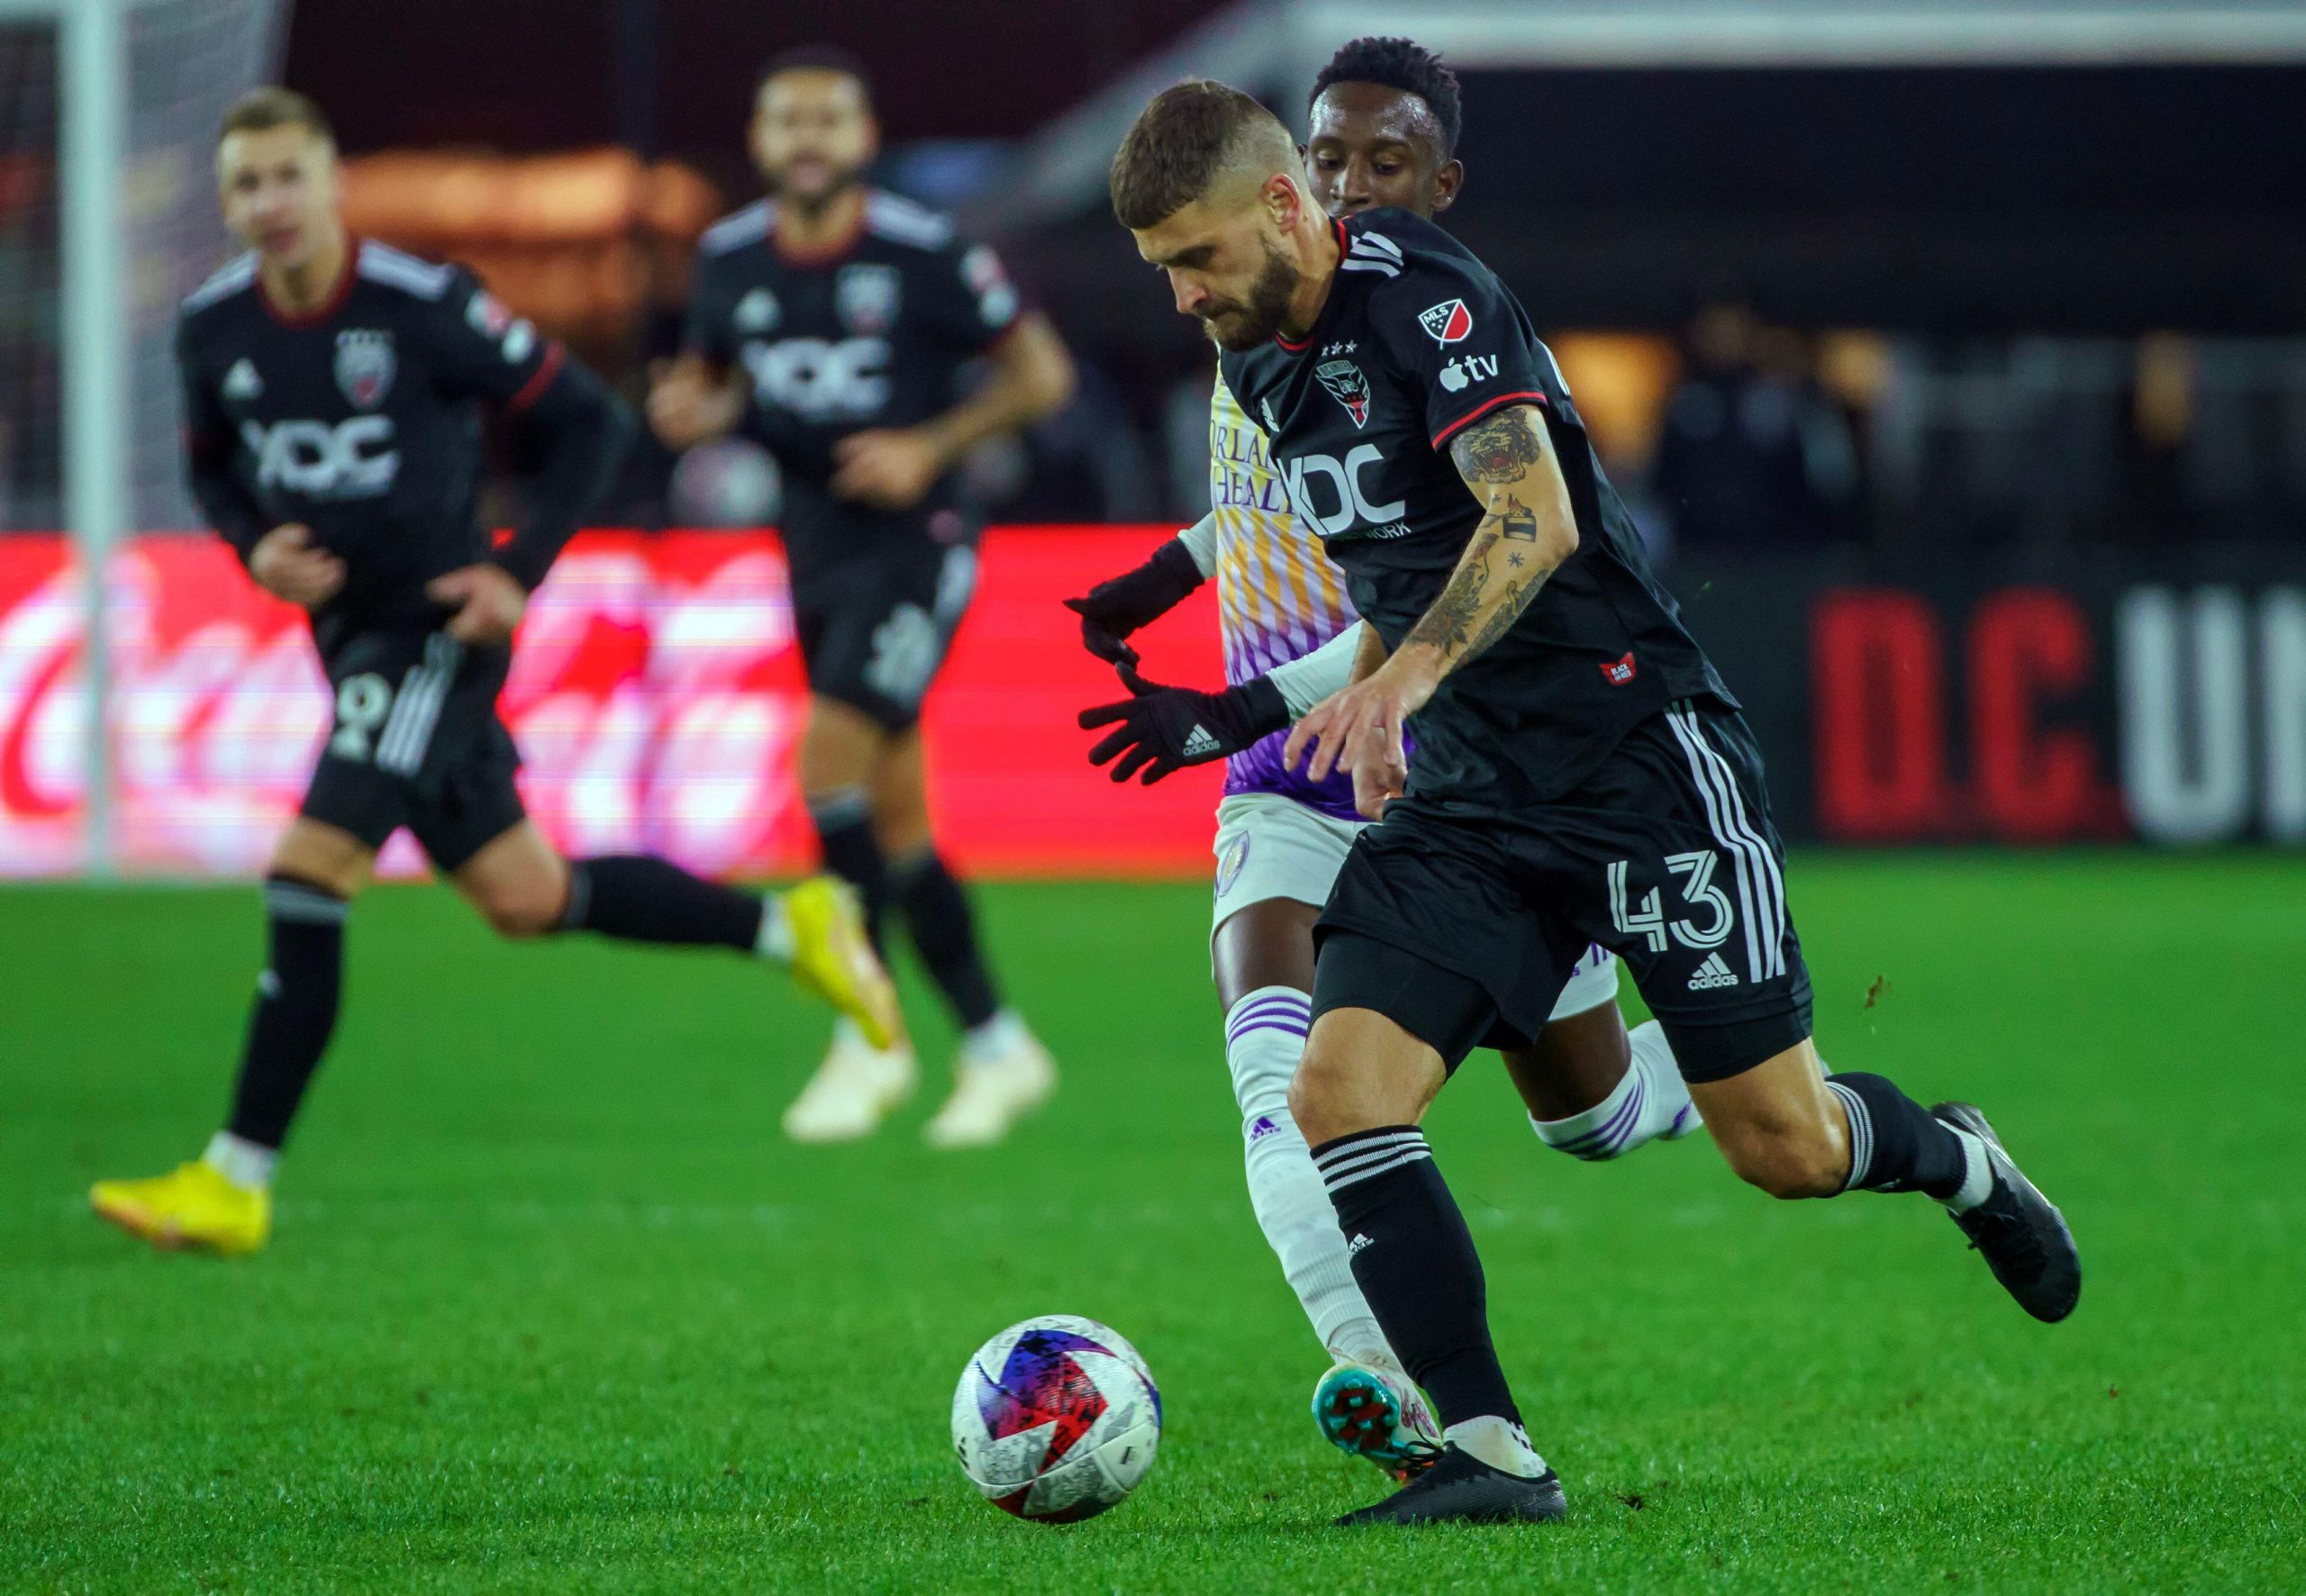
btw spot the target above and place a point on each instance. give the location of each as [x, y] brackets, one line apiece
[1402, 64]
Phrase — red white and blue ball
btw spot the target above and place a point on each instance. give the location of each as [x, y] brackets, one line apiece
[1055, 1418]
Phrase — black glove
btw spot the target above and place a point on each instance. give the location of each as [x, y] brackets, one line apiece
[1114, 609]
[1163, 730]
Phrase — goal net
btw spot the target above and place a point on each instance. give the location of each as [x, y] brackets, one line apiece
[184, 60]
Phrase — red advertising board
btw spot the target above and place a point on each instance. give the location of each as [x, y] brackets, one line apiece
[655, 694]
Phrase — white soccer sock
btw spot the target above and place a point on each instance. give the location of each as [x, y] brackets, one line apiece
[1264, 1033]
[246, 1163]
[1650, 1101]
[1977, 1182]
[995, 1040]
[775, 941]
[1498, 1442]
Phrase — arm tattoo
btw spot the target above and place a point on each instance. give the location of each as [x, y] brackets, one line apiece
[1448, 625]
[1521, 521]
[1454, 624]
[1500, 448]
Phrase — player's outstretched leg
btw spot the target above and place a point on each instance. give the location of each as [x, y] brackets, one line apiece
[221, 1201]
[816, 929]
[1789, 1128]
[1363, 1083]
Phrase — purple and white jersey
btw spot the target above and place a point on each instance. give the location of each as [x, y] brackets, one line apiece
[1278, 596]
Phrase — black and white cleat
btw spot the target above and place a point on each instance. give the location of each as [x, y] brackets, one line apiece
[1461, 1489]
[2021, 1234]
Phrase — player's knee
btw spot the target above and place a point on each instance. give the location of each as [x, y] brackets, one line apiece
[1322, 1098]
[1788, 1161]
[519, 910]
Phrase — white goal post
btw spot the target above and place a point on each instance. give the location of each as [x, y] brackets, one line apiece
[187, 59]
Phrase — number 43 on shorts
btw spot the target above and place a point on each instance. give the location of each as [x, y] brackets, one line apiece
[1710, 919]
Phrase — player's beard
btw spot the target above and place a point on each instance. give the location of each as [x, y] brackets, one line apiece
[838, 181]
[1244, 324]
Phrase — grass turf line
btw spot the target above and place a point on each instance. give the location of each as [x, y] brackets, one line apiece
[551, 1305]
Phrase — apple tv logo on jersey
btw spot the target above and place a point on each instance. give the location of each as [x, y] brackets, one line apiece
[1467, 369]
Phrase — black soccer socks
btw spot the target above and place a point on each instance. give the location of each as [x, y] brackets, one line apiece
[844, 822]
[1894, 1143]
[296, 999]
[640, 898]
[944, 933]
[1414, 1261]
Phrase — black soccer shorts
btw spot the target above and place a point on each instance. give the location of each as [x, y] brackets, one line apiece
[1463, 927]
[874, 631]
[416, 741]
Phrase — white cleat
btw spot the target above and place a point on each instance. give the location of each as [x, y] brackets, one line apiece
[853, 1091]
[991, 1094]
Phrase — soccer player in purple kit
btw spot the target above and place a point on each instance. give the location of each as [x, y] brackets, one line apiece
[1384, 122]
[1583, 774]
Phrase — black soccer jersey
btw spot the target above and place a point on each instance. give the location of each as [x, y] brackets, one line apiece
[872, 336]
[360, 421]
[1417, 341]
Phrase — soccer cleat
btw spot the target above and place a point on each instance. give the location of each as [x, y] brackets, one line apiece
[852, 1091]
[190, 1206]
[833, 956]
[1371, 1413]
[992, 1095]
[1461, 1489]
[2021, 1234]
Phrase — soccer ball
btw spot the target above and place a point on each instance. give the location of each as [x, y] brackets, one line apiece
[1056, 1420]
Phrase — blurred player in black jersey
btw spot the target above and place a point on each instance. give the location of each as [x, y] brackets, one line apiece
[831, 322]
[1582, 773]
[331, 390]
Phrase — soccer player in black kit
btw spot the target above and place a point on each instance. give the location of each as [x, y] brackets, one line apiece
[332, 389]
[1582, 774]
[831, 322]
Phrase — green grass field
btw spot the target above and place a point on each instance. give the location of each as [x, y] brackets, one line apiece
[551, 1306]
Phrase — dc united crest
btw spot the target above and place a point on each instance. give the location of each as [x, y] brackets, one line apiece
[866, 295]
[1347, 386]
[364, 364]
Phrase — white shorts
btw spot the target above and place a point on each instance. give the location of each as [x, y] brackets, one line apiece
[1273, 847]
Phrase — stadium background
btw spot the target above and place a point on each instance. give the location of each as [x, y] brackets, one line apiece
[1953, 355]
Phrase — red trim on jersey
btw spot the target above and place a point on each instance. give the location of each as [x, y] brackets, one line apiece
[539, 381]
[1481, 410]
[1299, 348]
[339, 292]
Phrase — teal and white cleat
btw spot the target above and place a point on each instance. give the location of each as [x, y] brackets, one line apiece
[1377, 1414]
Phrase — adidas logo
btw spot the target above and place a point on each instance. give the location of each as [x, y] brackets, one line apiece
[1355, 1244]
[1711, 973]
[1199, 743]
[1264, 1128]
[243, 382]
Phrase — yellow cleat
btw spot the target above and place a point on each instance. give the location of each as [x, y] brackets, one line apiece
[834, 959]
[190, 1206]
